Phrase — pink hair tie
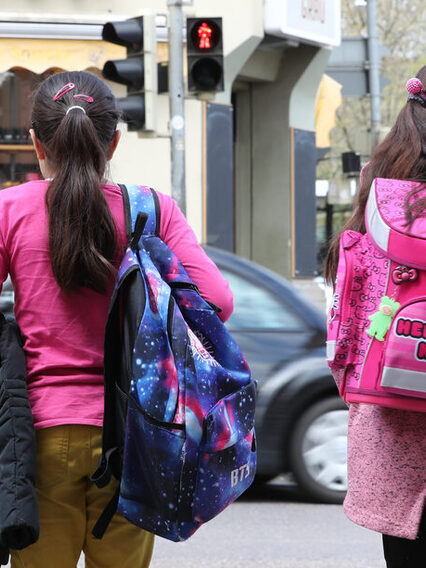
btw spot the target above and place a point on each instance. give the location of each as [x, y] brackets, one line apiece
[65, 89]
[86, 98]
[414, 86]
[415, 89]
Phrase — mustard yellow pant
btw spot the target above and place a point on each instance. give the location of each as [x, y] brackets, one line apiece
[70, 505]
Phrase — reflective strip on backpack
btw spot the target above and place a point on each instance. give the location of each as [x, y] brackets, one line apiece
[331, 349]
[377, 227]
[403, 379]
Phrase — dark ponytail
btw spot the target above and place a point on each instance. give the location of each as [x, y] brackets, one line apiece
[401, 155]
[82, 233]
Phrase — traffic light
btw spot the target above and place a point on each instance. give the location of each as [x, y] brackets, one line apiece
[138, 71]
[351, 163]
[204, 54]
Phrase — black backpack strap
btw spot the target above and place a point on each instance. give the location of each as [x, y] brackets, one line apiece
[104, 520]
[102, 476]
[140, 225]
[127, 214]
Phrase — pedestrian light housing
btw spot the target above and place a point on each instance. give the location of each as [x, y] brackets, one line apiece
[204, 54]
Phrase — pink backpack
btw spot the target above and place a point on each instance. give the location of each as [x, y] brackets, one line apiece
[376, 342]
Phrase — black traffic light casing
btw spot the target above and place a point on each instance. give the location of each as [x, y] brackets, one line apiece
[204, 45]
[138, 71]
[351, 163]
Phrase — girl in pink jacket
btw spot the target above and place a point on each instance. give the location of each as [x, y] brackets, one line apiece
[61, 240]
[387, 447]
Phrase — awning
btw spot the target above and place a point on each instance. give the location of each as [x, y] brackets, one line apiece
[328, 100]
[38, 55]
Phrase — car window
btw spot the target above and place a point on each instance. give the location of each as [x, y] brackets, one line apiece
[255, 307]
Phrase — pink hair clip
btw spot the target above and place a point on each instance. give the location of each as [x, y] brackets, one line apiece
[65, 89]
[86, 98]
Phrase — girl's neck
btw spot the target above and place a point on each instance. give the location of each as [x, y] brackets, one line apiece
[103, 182]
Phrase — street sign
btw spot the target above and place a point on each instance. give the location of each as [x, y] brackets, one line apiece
[312, 21]
[348, 64]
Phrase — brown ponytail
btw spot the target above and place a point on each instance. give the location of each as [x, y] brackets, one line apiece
[401, 155]
[82, 233]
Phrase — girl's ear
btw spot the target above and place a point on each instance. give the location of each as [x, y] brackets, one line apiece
[37, 145]
[113, 144]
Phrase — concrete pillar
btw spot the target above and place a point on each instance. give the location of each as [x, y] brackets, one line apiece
[266, 112]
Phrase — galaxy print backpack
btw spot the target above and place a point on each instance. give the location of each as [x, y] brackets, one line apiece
[178, 427]
[376, 344]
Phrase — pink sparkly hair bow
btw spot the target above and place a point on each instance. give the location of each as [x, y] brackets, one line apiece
[415, 89]
[69, 87]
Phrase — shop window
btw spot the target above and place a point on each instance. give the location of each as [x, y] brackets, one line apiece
[18, 162]
[330, 219]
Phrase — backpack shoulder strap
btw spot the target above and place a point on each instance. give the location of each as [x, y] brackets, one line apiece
[137, 199]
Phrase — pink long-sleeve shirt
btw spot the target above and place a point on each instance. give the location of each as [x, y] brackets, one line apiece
[64, 334]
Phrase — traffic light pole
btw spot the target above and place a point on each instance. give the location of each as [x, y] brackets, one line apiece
[374, 72]
[177, 102]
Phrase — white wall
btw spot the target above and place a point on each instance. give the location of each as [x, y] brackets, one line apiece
[147, 160]
[83, 8]
[141, 157]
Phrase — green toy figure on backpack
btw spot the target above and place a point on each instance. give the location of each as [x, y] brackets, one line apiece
[381, 320]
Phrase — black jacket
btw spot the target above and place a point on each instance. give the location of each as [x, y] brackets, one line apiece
[19, 521]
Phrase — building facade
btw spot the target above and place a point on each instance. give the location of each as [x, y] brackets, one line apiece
[250, 150]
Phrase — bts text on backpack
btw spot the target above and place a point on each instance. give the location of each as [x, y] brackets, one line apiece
[179, 400]
[376, 344]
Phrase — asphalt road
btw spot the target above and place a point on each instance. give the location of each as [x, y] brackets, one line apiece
[274, 527]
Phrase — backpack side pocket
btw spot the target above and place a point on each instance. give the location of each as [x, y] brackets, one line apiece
[339, 339]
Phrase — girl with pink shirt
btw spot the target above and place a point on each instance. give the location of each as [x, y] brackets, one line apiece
[61, 240]
[386, 446]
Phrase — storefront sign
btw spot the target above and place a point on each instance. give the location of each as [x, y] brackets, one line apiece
[38, 55]
[310, 21]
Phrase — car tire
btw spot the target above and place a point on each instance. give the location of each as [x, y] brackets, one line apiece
[318, 450]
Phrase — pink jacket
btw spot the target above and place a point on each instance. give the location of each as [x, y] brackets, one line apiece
[386, 469]
[64, 334]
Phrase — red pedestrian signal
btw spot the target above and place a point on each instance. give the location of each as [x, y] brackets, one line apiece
[204, 33]
[204, 54]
